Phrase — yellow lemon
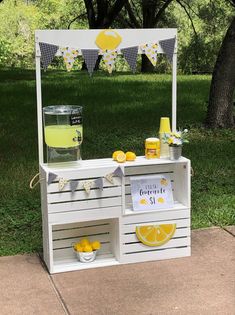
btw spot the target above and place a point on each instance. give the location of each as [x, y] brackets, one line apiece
[121, 157]
[130, 156]
[79, 248]
[87, 248]
[155, 235]
[115, 154]
[84, 242]
[108, 39]
[95, 245]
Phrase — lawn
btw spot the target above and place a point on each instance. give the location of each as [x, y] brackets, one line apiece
[120, 111]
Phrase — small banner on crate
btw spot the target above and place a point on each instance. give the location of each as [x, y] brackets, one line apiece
[151, 192]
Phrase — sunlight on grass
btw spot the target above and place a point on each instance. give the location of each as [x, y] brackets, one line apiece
[120, 111]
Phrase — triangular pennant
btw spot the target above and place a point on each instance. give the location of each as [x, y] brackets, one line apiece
[130, 54]
[90, 56]
[150, 50]
[51, 177]
[62, 183]
[168, 46]
[87, 186]
[109, 57]
[69, 55]
[73, 185]
[109, 178]
[99, 183]
[48, 52]
[118, 172]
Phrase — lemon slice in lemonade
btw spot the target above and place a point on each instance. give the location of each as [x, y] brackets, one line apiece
[155, 235]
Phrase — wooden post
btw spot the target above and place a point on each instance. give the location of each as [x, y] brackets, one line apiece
[39, 103]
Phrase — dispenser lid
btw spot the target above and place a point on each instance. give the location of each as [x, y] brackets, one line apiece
[62, 109]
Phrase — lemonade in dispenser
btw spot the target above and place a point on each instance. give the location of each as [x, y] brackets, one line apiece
[63, 132]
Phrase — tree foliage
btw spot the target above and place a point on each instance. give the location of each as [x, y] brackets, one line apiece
[201, 25]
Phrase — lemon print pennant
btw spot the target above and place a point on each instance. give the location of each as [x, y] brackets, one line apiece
[155, 235]
[108, 39]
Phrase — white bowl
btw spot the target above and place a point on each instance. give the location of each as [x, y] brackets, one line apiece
[86, 257]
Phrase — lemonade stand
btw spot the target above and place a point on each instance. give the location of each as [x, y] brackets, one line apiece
[136, 210]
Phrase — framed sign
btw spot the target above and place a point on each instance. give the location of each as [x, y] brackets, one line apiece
[151, 192]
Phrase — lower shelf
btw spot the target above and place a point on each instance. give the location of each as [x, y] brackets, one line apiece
[72, 264]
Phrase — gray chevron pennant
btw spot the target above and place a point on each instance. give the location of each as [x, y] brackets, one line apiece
[168, 46]
[90, 56]
[73, 185]
[130, 54]
[118, 172]
[48, 52]
[51, 177]
[99, 183]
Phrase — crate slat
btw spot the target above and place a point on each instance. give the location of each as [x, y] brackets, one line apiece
[82, 195]
[84, 205]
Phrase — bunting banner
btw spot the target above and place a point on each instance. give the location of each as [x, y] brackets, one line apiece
[99, 183]
[73, 185]
[150, 50]
[69, 55]
[48, 52]
[118, 172]
[87, 186]
[130, 54]
[109, 57]
[51, 177]
[62, 183]
[109, 178]
[168, 46]
[90, 56]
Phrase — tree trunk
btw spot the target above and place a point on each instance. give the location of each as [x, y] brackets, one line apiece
[149, 11]
[220, 107]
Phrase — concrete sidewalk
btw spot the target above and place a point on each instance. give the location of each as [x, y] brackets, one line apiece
[201, 284]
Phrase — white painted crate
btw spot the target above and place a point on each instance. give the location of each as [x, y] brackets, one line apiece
[108, 215]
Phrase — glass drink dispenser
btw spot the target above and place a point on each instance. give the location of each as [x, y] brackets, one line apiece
[63, 132]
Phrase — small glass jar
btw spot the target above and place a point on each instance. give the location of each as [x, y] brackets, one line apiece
[152, 148]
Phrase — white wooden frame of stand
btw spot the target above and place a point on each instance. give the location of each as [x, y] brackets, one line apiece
[108, 215]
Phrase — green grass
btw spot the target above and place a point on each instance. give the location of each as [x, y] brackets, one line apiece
[120, 111]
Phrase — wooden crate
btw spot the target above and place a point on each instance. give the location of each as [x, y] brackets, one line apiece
[108, 215]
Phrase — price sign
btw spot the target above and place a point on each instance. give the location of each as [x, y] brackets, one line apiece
[151, 192]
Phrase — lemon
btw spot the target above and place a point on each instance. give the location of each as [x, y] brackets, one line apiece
[87, 248]
[108, 39]
[121, 157]
[79, 248]
[84, 242]
[155, 235]
[96, 245]
[115, 154]
[130, 156]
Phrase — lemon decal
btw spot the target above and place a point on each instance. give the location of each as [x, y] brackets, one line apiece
[143, 202]
[108, 39]
[155, 235]
[164, 182]
[161, 200]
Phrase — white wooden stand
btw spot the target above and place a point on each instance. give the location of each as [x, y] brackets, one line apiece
[108, 215]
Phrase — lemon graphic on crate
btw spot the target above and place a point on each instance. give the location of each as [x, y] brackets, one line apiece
[155, 235]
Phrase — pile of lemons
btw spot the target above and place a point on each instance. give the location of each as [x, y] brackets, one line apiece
[121, 157]
[86, 246]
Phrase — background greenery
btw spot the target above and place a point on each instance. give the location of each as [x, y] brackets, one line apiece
[121, 111]
[197, 51]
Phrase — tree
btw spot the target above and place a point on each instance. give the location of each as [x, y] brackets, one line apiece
[220, 107]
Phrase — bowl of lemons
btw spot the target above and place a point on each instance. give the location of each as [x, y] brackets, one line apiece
[85, 250]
